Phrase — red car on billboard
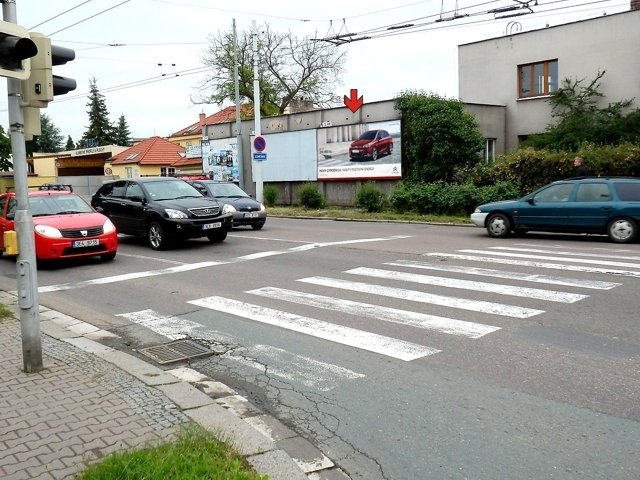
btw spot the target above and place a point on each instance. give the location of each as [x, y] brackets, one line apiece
[371, 144]
[65, 226]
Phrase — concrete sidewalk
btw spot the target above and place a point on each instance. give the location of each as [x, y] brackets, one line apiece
[92, 400]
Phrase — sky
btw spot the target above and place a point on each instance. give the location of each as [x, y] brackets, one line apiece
[146, 54]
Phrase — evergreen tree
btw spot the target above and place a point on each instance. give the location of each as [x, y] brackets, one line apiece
[122, 134]
[50, 140]
[5, 151]
[70, 144]
[100, 129]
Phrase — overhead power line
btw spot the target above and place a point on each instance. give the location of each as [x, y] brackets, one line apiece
[59, 15]
[88, 18]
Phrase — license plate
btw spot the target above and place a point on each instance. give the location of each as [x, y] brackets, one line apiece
[355, 151]
[86, 243]
[251, 215]
[209, 226]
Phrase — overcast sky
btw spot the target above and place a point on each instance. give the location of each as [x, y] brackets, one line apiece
[174, 32]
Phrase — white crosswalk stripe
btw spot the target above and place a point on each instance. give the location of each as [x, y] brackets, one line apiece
[548, 295]
[485, 272]
[404, 317]
[317, 328]
[400, 293]
[528, 263]
[575, 254]
[544, 257]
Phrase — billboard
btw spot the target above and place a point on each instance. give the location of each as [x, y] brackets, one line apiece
[220, 159]
[291, 156]
[359, 152]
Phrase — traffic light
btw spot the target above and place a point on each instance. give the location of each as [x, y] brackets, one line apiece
[15, 50]
[42, 85]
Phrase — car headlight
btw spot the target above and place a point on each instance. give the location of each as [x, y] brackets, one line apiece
[172, 213]
[47, 231]
[108, 227]
[262, 208]
[477, 210]
[228, 208]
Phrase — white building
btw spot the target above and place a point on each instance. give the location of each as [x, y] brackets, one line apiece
[520, 70]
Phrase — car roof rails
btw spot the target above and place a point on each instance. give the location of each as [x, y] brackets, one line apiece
[56, 186]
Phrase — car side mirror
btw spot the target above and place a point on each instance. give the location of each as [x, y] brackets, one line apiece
[137, 198]
[11, 216]
[99, 209]
[530, 201]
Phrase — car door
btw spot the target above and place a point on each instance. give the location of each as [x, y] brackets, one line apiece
[547, 209]
[592, 207]
[133, 208]
[111, 203]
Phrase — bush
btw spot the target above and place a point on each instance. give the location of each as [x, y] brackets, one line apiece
[441, 198]
[270, 194]
[370, 197]
[310, 196]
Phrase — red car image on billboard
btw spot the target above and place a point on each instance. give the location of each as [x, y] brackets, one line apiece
[370, 145]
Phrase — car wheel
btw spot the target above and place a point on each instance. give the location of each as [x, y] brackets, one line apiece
[374, 154]
[107, 257]
[156, 237]
[257, 226]
[622, 230]
[217, 237]
[390, 148]
[498, 225]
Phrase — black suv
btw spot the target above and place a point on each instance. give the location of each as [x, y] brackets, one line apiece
[164, 209]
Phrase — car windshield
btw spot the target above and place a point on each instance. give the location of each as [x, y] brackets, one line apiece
[370, 135]
[171, 190]
[227, 190]
[42, 205]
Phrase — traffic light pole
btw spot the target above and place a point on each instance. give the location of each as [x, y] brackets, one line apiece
[26, 262]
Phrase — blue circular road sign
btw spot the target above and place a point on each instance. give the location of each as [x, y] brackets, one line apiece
[259, 144]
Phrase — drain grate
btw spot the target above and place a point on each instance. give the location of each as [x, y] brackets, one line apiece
[176, 351]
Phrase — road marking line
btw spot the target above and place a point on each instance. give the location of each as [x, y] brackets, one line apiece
[579, 254]
[155, 259]
[317, 328]
[525, 263]
[538, 294]
[571, 282]
[402, 294]
[543, 257]
[292, 367]
[402, 317]
[195, 266]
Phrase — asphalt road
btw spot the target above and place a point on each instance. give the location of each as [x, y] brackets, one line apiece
[403, 351]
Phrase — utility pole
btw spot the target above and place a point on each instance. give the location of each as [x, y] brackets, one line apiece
[257, 165]
[238, 112]
[26, 262]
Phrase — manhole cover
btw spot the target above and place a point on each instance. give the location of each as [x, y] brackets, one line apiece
[176, 351]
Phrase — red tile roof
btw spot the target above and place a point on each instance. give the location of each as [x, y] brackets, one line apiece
[184, 162]
[152, 151]
[223, 116]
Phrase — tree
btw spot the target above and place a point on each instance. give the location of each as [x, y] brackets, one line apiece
[440, 139]
[122, 135]
[100, 129]
[50, 140]
[579, 119]
[5, 151]
[70, 144]
[289, 68]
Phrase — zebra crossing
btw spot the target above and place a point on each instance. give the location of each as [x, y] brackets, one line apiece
[411, 280]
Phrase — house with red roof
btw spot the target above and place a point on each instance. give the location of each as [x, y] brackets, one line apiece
[151, 157]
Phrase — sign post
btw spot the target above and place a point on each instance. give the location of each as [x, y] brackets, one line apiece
[257, 164]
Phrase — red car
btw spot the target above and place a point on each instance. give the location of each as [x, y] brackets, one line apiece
[65, 226]
[371, 144]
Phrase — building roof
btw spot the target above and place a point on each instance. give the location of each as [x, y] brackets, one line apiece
[152, 151]
[184, 162]
[223, 116]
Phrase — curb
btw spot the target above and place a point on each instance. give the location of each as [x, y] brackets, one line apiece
[269, 446]
[345, 219]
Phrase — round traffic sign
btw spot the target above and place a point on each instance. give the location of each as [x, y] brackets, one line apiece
[108, 171]
[259, 144]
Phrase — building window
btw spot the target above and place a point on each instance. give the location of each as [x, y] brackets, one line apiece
[129, 172]
[537, 79]
[167, 171]
[490, 150]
